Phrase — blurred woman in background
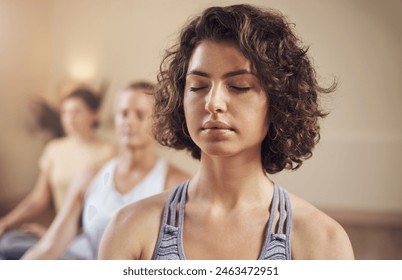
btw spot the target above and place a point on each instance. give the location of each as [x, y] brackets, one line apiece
[136, 173]
[63, 159]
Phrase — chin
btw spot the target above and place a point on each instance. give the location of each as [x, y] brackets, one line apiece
[216, 151]
[73, 133]
[135, 144]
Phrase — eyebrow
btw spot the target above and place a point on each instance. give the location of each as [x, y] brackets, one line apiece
[226, 75]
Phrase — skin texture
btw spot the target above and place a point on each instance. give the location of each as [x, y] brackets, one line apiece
[137, 156]
[77, 118]
[228, 199]
[221, 100]
[77, 121]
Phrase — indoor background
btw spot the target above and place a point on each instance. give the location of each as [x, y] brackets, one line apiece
[354, 174]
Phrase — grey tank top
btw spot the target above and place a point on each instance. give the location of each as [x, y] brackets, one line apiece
[276, 246]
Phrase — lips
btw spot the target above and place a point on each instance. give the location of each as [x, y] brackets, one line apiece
[216, 125]
[127, 132]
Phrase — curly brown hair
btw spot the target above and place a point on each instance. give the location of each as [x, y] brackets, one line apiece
[267, 39]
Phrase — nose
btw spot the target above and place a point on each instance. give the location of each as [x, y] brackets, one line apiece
[216, 100]
[130, 119]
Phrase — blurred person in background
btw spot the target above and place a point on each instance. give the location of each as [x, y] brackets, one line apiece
[135, 173]
[62, 160]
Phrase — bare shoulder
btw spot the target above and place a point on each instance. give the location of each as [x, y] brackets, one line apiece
[133, 232]
[175, 176]
[315, 235]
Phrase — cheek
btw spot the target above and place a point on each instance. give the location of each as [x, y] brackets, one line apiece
[264, 119]
[63, 119]
[148, 127]
[89, 116]
[191, 111]
[254, 116]
[261, 114]
[260, 111]
[66, 116]
[85, 121]
[186, 104]
[190, 123]
[117, 124]
[186, 108]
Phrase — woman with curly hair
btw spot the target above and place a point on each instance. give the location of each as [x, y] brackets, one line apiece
[239, 92]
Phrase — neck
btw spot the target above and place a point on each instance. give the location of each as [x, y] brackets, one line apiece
[139, 159]
[230, 181]
[83, 138]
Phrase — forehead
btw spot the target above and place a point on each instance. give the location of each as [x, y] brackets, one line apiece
[73, 102]
[216, 57]
[134, 99]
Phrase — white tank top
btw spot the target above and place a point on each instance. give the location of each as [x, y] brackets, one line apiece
[103, 201]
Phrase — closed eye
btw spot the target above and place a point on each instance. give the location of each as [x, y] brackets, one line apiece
[195, 89]
[240, 89]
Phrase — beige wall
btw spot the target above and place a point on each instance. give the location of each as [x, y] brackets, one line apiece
[356, 164]
[24, 71]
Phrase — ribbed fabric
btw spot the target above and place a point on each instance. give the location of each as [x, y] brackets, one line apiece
[169, 245]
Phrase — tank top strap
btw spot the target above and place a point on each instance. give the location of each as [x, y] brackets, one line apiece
[166, 209]
[168, 243]
[281, 203]
[282, 212]
[288, 209]
[285, 215]
[272, 211]
[172, 202]
[277, 242]
[182, 205]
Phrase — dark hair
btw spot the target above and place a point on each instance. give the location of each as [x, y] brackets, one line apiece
[266, 38]
[91, 99]
[146, 86]
[47, 117]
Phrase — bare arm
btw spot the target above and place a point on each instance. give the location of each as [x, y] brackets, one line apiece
[133, 232]
[332, 243]
[316, 236]
[65, 226]
[33, 204]
[116, 243]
